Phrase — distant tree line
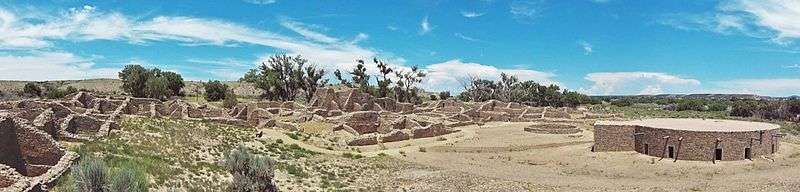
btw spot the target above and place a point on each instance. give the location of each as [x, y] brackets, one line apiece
[509, 89]
[788, 109]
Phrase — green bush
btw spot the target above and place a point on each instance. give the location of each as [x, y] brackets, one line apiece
[230, 99]
[124, 181]
[90, 175]
[250, 172]
[690, 104]
[444, 95]
[31, 89]
[58, 94]
[621, 103]
[156, 88]
[215, 90]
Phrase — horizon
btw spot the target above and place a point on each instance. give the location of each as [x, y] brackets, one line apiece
[596, 47]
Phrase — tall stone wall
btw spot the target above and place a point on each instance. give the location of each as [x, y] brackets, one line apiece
[613, 138]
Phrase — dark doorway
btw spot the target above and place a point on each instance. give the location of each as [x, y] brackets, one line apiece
[773, 148]
[748, 154]
[718, 154]
[646, 149]
[671, 152]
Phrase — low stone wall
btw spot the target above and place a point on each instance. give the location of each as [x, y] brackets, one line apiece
[552, 129]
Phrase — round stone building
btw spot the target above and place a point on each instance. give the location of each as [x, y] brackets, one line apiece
[688, 139]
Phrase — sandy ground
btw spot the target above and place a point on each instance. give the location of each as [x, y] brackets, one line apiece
[502, 157]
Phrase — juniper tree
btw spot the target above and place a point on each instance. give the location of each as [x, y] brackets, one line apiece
[383, 85]
[360, 77]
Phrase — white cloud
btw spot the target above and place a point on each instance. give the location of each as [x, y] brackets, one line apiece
[225, 62]
[587, 47]
[464, 37]
[781, 16]
[445, 76]
[306, 32]
[651, 90]
[425, 26]
[526, 10]
[795, 66]
[606, 83]
[778, 20]
[772, 87]
[471, 14]
[327, 52]
[51, 66]
[360, 37]
[261, 2]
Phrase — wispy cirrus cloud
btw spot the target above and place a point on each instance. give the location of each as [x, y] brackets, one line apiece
[425, 26]
[471, 14]
[464, 37]
[795, 66]
[260, 2]
[777, 20]
[587, 47]
[89, 24]
[526, 11]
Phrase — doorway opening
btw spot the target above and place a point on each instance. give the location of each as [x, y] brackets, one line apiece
[718, 154]
[748, 153]
[671, 152]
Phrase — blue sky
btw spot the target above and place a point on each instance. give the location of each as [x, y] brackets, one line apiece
[599, 47]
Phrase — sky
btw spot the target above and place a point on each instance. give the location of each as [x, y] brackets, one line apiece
[597, 47]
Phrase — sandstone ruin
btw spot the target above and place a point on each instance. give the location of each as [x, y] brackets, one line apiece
[30, 129]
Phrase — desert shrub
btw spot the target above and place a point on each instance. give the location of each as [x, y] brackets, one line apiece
[444, 95]
[690, 104]
[717, 106]
[54, 93]
[621, 103]
[90, 175]
[230, 99]
[215, 90]
[250, 172]
[31, 89]
[127, 180]
[434, 97]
